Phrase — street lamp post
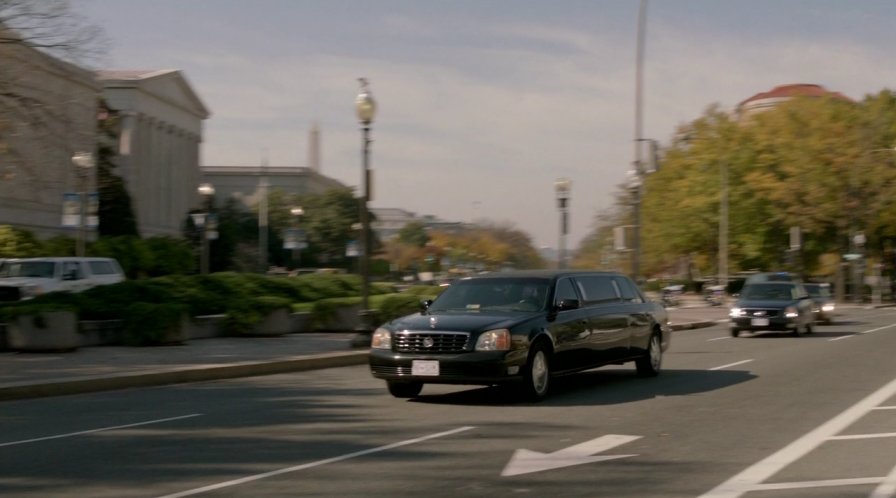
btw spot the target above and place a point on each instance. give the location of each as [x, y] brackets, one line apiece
[83, 162]
[562, 186]
[296, 213]
[206, 191]
[365, 108]
[635, 186]
[263, 187]
[723, 224]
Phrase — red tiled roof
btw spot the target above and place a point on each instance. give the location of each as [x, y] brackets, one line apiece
[796, 90]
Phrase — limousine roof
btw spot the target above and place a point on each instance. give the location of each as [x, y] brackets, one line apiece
[541, 273]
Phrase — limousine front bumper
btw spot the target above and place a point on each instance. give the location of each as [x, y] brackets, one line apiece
[475, 367]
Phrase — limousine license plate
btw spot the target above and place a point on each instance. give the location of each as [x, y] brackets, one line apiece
[425, 367]
[759, 322]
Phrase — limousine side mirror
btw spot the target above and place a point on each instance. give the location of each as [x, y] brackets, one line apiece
[425, 304]
[567, 304]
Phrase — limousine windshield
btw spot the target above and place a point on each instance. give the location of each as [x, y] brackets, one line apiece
[524, 294]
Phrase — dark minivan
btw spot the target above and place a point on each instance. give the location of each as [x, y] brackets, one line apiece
[522, 328]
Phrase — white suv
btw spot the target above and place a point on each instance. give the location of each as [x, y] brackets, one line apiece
[30, 277]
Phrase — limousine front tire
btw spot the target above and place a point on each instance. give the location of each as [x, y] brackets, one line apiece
[404, 389]
[650, 364]
[537, 374]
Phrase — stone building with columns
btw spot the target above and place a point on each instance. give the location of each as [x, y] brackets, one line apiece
[160, 136]
[48, 113]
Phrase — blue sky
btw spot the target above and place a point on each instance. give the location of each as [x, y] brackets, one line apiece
[483, 104]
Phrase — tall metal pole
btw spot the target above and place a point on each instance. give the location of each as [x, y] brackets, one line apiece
[365, 107]
[81, 249]
[83, 162]
[561, 258]
[203, 255]
[364, 260]
[723, 225]
[639, 112]
[263, 220]
[562, 186]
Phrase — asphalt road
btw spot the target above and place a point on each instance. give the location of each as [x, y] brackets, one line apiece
[759, 416]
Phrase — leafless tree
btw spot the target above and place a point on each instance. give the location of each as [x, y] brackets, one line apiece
[52, 26]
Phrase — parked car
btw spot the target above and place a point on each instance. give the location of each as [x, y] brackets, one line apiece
[822, 302]
[30, 277]
[522, 328]
[784, 306]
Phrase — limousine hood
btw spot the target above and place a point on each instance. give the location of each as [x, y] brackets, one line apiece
[763, 303]
[466, 322]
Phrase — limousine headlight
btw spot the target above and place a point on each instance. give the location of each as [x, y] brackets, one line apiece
[791, 312]
[736, 312]
[494, 340]
[382, 339]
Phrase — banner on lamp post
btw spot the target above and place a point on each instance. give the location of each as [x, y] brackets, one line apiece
[71, 210]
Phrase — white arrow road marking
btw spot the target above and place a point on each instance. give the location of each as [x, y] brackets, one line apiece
[526, 461]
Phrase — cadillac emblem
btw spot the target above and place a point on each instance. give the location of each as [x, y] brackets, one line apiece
[428, 342]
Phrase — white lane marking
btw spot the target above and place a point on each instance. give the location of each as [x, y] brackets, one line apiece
[893, 407]
[879, 328]
[887, 488]
[101, 429]
[318, 463]
[525, 461]
[840, 338]
[857, 481]
[864, 332]
[718, 338]
[754, 475]
[731, 365]
[863, 436]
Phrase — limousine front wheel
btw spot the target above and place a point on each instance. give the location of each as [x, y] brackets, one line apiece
[649, 365]
[537, 374]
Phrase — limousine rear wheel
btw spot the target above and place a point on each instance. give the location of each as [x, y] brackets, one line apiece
[537, 374]
[404, 389]
[649, 365]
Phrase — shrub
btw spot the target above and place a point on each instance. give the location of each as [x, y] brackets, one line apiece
[147, 324]
[392, 306]
[240, 318]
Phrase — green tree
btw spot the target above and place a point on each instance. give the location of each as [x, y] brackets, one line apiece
[413, 234]
[807, 163]
[18, 243]
[116, 213]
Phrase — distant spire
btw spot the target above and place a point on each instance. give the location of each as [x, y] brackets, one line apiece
[314, 149]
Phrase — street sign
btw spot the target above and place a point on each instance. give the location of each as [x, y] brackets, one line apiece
[852, 257]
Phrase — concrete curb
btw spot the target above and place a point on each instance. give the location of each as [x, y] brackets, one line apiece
[59, 387]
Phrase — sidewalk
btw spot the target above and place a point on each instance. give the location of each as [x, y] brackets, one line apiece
[91, 369]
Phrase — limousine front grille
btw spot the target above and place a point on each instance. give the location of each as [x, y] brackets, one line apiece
[761, 312]
[430, 342]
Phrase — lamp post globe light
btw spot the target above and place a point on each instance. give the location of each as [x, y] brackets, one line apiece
[365, 108]
[206, 191]
[84, 162]
[562, 186]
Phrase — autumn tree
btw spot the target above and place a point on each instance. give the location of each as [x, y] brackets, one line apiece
[820, 164]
